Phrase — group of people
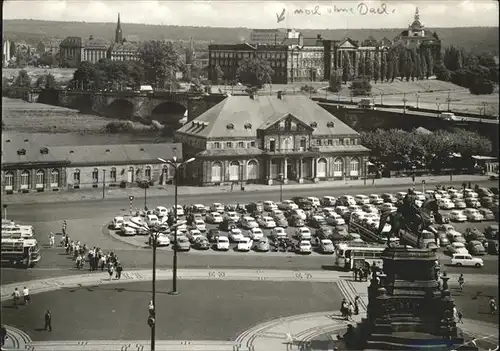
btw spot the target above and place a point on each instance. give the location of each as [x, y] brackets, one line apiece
[16, 296]
[348, 309]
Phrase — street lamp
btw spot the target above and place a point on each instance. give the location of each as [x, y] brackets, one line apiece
[103, 183]
[404, 103]
[154, 232]
[176, 165]
[418, 97]
[5, 211]
[281, 178]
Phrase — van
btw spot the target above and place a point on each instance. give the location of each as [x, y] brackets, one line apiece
[447, 116]
[366, 103]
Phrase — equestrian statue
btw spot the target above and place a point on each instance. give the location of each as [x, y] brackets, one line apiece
[410, 217]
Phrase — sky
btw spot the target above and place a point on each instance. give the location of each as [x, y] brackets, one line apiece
[263, 14]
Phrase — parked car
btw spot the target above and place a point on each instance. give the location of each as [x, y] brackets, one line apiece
[446, 204]
[226, 224]
[473, 215]
[476, 248]
[248, 222]
[221, 243]
[369, 208]
[361, 199]
[245, 244]
[472, 202]
[161, 240]
[213, 234]
[287, 205]
[456, 248]
[182, 244]
[303, 203]
[387, 197]
[295, 221]
[266, 222]
[346, 200]
[375, 199]
[255, 233]
[200, 225]
[280, 221]
[486, 202]
[455, 236]
[314, 201]
[484, 192]
[491, 232]
[326, 246]
[335, 219]
[299, 212]
[128, 231]
[316, 221]
[327, 201]
[214, 217]
[324, 232]
[269, 206]
[161, 211]
[217, 207]
[117, 222]
[465, 259]
[255, 207]
[487, 214]
[233, 215]
[388, 206]
[261, 245]
[201, 243]
[474, 234]
[194, 234]
[303, 233]
[457, 216]
[235, 235]
[304, 247]
[278, 232]
[459, 203]
[192, 217]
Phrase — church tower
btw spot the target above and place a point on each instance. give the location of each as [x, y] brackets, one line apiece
[118, 32]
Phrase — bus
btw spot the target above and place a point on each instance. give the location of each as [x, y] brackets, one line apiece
[20, 251]
[350, 256]
[428, 239]
[14, 231]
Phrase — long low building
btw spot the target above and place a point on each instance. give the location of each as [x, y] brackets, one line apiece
[30, 167]
[265, 139]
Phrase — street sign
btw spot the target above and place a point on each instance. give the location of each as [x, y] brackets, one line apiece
[130, 198]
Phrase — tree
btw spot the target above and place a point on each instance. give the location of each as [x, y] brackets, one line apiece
[160, 61]
[482, 86]
[423, 66]
[47, 59]
[335, 81]
[395, 68]
[85, 74]
[361, 86]
[402, 63]
[219, 74]
[430, 64]
[347, 71]
[416, 66]
[46, 81]
[408, 66]
[22, 80]
[383, 67]
[376, 68]
[442, 73]
[254, 72]
[368, 66]
[361, 65]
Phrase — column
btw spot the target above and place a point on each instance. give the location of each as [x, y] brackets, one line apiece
[301, 179]
[269, 180]
[315, 169]
[285, 173]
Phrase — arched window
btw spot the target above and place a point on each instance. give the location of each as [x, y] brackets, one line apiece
[95, 176]
[287, 144]
[9, 181]
[338, 167]
[130, 174]
[54, 178]
[147, 173]
[321, 170]
[234, 171]
[217, 172]
[76, 177]
[25, 179]
[354, 167]
[252, 170]
[40, 179]
[112, 175]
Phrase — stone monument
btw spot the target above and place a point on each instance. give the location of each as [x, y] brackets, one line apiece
[407, 308]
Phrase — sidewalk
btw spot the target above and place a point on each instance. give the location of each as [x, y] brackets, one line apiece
[168, 190]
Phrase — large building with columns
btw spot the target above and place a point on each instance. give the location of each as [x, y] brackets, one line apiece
[263, 139]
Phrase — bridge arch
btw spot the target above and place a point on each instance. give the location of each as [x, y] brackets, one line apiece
[169, 112]
[120, 108]
[82, 103]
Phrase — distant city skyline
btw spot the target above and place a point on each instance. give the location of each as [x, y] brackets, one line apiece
[263, 14]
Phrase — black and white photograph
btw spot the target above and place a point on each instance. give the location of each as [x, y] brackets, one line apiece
[250, 175]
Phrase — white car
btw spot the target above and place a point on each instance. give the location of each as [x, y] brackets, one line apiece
[128, 231]
[460, 259]
[194, 234]
[276, 212]
[248, 222]
[300, 213]
[457, 248]
[200, 225]
[236, 235]
[287, 205]
[303, 233]
[471, 193]
[278, 232]
[233, 216]
[221, 243]
[117, 222]
[442, 194]
[161, 211]
[357, 216]
[361, 199]
[375, 199]
[314, 201]
[346, 200]
[214, 217]
[419, 195]
[369, 208]
[457, 216]
[152, 220]
[473, 215]
[245, 244]
[388, 206]
[269, 206]
[305, 247]
[327, 211]
[180, 211]
[433, 193]
[446, 204]
[335, 219]
[354, 208]
[256, 233]
[400, 195]
[267, 222]
[162, 240]
[217, 207]
[455, 237]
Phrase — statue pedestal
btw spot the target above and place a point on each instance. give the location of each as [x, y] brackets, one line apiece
[407, 311]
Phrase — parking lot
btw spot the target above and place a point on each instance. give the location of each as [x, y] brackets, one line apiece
[291, 234]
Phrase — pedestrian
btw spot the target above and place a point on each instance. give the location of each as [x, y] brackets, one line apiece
[350, 311]
[48, 321]
[461, 282]
[16, 295]
[356, 272]
[493, 306]
[3, 335]
[111, 270]
[102, 262]
[52, 240]
[343, 308]
[26, 296]
[460, 316]
[356, 305]
[119, 270]
[64, 226]
[63, 241]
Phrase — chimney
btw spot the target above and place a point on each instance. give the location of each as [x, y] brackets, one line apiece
[280, 95]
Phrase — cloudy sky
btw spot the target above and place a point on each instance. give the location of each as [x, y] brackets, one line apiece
[262, 14]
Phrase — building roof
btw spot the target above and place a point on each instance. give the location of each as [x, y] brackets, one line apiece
[126, 46]
[72, 42]
[96, 43]
[427, 35]
[246, 115]
[53, 43]
[88, 155]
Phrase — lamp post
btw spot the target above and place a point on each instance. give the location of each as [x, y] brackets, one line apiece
[145, 185]
[418, 97]
[381, 99]
[448, 100]
[404, 103]
[5, 211]
[280, 177]
[176, 165]
[103, 183]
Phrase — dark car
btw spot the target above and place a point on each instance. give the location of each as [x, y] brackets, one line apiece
[476, 248]
[342, 230]
[213, 234]
[226, 224]
[201, 243]
[324, 232]
[472, 234]
[486, 202]
[280, 221]
[255, 207]
[295, 221]
[388, 198]
[491, 247]
[316, 221]
[303, 203]
[484, 192]
[491, 232]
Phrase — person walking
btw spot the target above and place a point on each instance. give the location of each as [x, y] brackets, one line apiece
[343, 308]
[48, 321]
[102, 262]
[111, 270]
[356, 305]
[460, 316]
[16, 295]
[26, 296]
[493, 306]
[350, 311]
[64, 227]
[461, 282]
[119, 270]
[3, 335]
[52, 240]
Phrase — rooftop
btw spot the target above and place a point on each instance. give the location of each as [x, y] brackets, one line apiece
[126, 46]
[97, 43]
[72, 42]
[17, 151]
[241, 116]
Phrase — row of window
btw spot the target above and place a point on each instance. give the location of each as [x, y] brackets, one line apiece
[229, 55]
[235, 171]
[25, 180]
[226, 63]
[230, 144]
[286, 143]
[336, 142]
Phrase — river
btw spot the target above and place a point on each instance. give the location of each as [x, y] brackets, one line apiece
[54, 125]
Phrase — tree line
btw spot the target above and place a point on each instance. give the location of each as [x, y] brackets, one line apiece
[22, 83]
[397, 150]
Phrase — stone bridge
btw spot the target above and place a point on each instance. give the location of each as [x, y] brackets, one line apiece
[168, 108]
